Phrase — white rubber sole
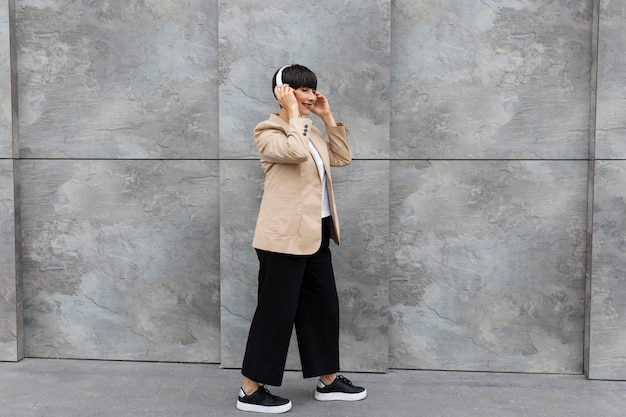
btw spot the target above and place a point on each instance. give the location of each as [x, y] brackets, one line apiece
[339, 396]
[278, 409]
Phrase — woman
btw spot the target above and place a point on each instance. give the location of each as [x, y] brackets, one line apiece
[296, 221]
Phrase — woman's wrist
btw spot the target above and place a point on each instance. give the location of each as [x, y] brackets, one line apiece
[293, 113]
[329, 120]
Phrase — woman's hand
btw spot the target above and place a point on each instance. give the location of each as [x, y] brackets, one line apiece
[322, 106]
[322, 109]
[287, 99]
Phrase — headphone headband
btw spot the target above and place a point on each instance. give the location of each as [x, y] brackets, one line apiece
[279, 76]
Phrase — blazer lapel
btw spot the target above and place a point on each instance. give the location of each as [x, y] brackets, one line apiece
[322, 148]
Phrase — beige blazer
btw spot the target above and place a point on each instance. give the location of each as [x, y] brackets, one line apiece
[290, 215]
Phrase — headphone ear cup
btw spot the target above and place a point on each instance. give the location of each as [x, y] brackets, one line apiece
[279, 76]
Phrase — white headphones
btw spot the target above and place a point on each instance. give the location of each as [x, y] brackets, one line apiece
[279, 76]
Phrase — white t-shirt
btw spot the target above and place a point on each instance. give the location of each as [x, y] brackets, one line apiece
[322, 172]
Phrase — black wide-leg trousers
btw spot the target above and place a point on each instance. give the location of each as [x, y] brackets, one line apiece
[294, 290]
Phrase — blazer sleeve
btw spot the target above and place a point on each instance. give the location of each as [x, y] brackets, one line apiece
[283, 145]
[338, 148]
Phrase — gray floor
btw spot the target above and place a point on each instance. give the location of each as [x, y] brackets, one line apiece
[67, 388]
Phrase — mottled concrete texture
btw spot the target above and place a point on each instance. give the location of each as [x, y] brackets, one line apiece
[10, 321]
[360, 263]
[488, 265]
[241, 189]
[465, 215]
[6, 104]
[606, 328]
[11, 328]
[121, 259]
[611, 107]
[490, 79]
[117, 79]
[607, 350]
[347, 44]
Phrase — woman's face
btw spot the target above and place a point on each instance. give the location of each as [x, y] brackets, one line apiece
[306, 98]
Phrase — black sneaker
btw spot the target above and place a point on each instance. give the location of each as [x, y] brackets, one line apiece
[262, 401]
[342, 389]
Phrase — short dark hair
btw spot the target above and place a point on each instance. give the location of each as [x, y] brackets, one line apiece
[297, 76]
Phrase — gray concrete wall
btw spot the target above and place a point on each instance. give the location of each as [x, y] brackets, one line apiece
[120, 186]
[348, 45]
[468, 236]
[11, 325]
[490, 128]
[606, 338]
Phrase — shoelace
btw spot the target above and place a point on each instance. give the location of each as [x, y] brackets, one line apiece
[265, 392]
[345, 380]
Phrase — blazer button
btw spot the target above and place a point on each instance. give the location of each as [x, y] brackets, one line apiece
[304, 134]
[306, 126]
